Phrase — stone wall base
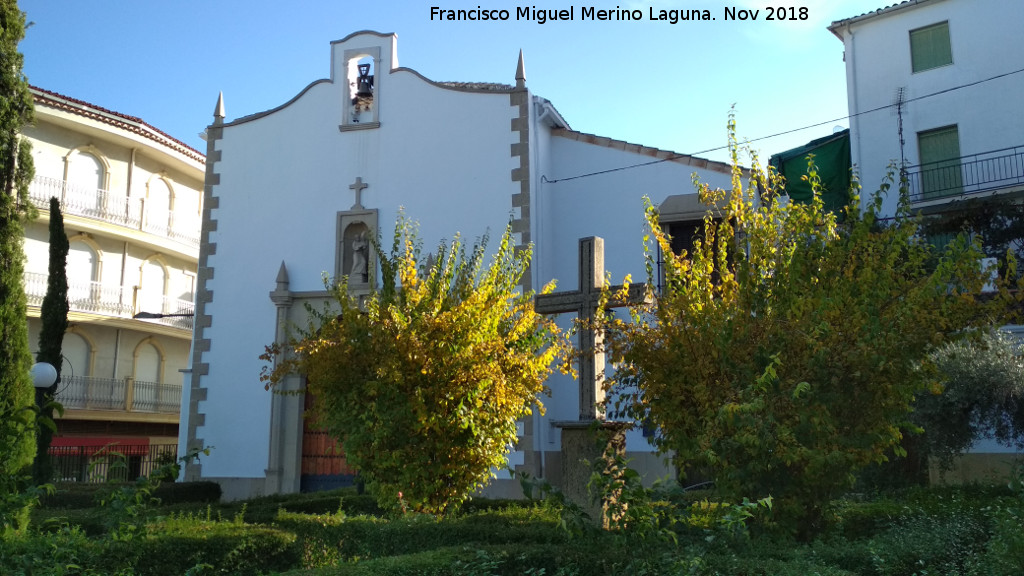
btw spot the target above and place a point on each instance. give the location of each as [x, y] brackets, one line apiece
[977, 469]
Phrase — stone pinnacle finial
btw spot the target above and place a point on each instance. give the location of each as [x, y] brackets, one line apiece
[218, 112]
[521, 72]
[282, 278]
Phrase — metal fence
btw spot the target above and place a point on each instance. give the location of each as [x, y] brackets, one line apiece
[110, 463]
[119, 394]
[121, 301]
[966, 175]
[115, 208]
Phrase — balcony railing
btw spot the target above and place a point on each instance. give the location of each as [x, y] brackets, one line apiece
[115, 209]
[983, 172]
[118, 395]
[117, 301]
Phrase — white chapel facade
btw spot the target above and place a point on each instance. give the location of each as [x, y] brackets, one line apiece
[292, 194]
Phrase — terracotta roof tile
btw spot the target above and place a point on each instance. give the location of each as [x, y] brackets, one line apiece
[666, 155]
[123, 121]
[478, 86]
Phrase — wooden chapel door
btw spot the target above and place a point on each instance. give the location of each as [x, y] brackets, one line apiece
[323, 462]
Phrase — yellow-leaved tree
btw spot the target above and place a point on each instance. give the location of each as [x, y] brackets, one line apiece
[423, 381]
[784, 352]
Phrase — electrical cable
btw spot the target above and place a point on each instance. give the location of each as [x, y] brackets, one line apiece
[783, 133]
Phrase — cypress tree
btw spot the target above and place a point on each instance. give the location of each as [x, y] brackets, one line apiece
[54, 316]
[17, 436]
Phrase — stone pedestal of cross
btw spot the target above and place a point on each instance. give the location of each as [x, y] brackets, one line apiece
[579, 450]
[584, 302]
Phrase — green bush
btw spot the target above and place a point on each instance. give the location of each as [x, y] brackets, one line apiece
[916, 542]
[442, 562]
[54, 553]
[72, 496]
[92, 521]
[859, 520]
[178, 544]
[1004, 552]
[86, 495]
[370, 537]
[964, 531]
[353, 504]
[181, 492]
[598, 557]
[752, 566]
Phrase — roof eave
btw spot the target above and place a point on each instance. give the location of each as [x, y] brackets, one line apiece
[845, 23]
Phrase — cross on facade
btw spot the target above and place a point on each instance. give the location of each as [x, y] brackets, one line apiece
[584, 302]
[358, 186]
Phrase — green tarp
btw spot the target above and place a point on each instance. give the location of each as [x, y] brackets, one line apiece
[832, 158]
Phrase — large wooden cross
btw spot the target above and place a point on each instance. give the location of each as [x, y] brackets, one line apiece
[584, 302]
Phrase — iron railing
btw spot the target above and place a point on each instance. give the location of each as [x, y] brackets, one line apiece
[982, 172]
[116, 209]
[118, 395]
[118, 301]
[113, 462]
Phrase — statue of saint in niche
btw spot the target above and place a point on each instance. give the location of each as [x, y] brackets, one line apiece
[360, 252]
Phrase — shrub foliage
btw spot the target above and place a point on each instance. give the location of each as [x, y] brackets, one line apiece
[424, 380]
[786, 349]
[17, 425]
[982, 397]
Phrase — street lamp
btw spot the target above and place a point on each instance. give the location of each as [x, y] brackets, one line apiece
[44, 375]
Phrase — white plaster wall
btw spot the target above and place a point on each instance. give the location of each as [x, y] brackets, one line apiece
[985, 41]
[283, 179]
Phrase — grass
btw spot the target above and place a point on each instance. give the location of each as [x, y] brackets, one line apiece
[964, 531]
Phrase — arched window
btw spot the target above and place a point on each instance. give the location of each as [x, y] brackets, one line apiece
[148, 375]
[159, 201]
[152, 287]
[186, 215]
[85, 172]
[148, 363]
[77, 357]
[74, 390]
[83, 272]
[86, 176]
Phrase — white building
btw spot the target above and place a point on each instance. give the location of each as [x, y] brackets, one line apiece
[934, 86]
[131, 199]
[295, 184]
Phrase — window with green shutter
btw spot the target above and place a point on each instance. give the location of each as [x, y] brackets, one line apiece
[930, 48]
[941, 172]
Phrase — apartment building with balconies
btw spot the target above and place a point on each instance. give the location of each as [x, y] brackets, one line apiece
[934, 97]
[131, 197]
[934, 88]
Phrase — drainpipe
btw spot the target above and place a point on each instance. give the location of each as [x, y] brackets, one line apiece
[124, 264]
[131, 173]
[117, 348]
[536, 221]
[851, 80]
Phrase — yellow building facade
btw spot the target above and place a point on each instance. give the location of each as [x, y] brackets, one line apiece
[131, 197]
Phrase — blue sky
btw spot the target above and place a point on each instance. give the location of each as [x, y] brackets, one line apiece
[652, 83]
